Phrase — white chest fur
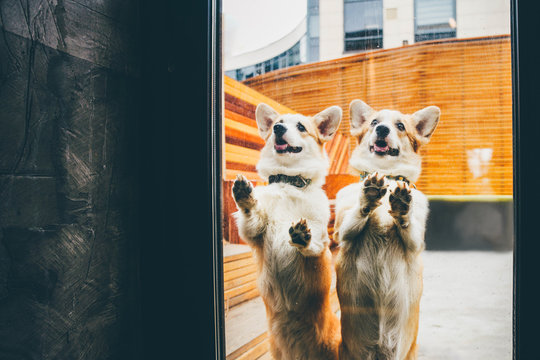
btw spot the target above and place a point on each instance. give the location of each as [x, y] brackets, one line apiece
[282, 276]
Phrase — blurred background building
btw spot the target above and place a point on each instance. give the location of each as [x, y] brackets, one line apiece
[318, 30]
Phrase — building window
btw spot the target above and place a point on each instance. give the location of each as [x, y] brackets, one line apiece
[275, 63]
[363, 24]
[434, 19]
[287, 58]
[313, 30]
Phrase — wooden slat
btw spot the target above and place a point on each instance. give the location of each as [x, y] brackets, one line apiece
[233, 265]
[239, 106]
[235, 257]
[229, 114]
[239, 290]
[230, 275]
[239, 138]
[241, 158]
[256, 352]
[230, 174]
[233, 301]
[250, 345]
[266, 356]
[336, 182]
[231, 165]
[242, 91]
[241, 127]
[239, 150]
[227, 285]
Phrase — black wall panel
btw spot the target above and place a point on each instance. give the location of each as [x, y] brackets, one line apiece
[69, 99]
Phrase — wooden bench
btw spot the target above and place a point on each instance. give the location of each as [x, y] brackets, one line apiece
[239, 275]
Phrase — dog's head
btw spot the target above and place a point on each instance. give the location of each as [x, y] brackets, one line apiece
[389, 141]
[294, 143]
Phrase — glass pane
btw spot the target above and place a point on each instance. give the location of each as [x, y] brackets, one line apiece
[314, 26]
[429, 12]
[363, 15]
[435, 119]
[435, 19]
[363, 25]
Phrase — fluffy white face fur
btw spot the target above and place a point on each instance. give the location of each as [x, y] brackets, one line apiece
[389, 141]
[294, 143]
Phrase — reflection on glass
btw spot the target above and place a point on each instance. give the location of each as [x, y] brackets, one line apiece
[435, 19]
[363, 24]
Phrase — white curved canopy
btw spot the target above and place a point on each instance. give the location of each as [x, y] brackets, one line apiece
[258, 30]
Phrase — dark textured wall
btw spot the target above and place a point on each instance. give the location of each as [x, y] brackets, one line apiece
[68, 113]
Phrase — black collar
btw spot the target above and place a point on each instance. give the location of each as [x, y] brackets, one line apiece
[364, 174]
[299, 181]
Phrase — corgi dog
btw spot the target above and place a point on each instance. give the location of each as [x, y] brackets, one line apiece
[380, 225]
[285, 224]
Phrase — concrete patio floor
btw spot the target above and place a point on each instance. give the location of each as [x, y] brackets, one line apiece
[465, 312]
[466, 308]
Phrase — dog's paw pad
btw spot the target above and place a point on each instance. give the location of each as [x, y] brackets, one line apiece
[242, 193]
[300, 234]
[241, 188]
[400, 199]
[375, 188]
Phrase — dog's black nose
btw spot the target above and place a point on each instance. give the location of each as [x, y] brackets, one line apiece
[279, 129]
[382, 131]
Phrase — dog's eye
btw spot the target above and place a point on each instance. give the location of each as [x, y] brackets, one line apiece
[300, 127]
[374, 122]
[400, 126]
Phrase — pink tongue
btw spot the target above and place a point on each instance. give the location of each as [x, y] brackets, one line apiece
[380, 149]
[281, 147]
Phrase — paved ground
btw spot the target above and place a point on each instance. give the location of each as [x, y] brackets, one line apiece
[466, 309]
[465, 312]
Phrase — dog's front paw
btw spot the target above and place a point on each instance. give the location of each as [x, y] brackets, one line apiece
[300, 234]
[374, 189]
[242, 193]
[400, 200]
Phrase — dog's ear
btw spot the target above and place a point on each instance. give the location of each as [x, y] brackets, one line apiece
[327, 122]
[360, 113]
[265, 116]
[425, 121]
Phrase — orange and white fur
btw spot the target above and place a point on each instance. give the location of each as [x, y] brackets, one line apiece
[286, 226]
[380, 226]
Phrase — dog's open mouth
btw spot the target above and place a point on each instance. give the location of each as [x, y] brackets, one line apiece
[282, 147]
[381, 147]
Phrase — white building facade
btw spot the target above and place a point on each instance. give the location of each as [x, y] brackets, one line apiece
[405, 22]
[332, 29]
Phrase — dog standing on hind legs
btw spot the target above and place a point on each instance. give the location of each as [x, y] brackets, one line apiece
[285, 224]
[380, 225]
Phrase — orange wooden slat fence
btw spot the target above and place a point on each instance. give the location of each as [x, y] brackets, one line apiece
[469, 79]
